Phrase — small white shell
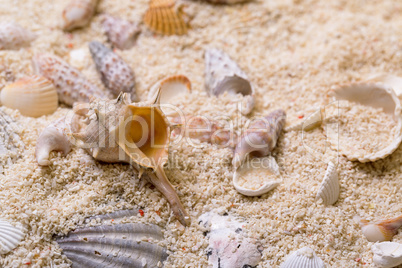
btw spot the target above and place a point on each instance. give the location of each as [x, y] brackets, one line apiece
[10, 236]
[78, 13]
[13, 36]
[390, 80]
[79, 58]
[303, 258]
[387, 254]
[329, 189]
[259, 172]
[312, 121]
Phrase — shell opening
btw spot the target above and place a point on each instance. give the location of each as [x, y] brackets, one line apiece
[234, 84]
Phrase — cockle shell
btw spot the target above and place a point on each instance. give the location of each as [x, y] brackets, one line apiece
[222, 74]
[329, 189]
[162, 17]
[253, 178]
[33, 96]
[10, 236]
[121, 33]
[382, 230]
[78, 13]
[387, 254]
[303, 258]
[71, 85]
[376, 95]
[310, 122]
[260, 138]
[13, 36]
[115, 73]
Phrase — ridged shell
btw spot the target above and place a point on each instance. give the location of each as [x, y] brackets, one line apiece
[121, 33]
[11, 145]
[222, 74]
[78, 13]
[303, 258]
[329, 189]
[10, 236]
[387, 254]
[70, 83]
[13, 36]
[80, 58]
[33, 96]
[163, 18]
[310, 122]
[265, 170]
[115, 73]
[376, 95]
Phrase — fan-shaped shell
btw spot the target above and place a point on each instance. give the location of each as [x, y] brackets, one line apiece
[303, 258]
[257, 178]
[33, 96]
[309, 123]
[78, 13]
[162, 17]
[387, 254]
[329, 189]
[121, 33]
[13, 36]
[10, 236]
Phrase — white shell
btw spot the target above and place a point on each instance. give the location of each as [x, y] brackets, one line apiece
[10, 236]
[390, 80]
[329, 189]
[33, 96]
[78, 13]
[264, 168]
[79, 58]
[13, 36]
[387, 254]
[312, 121]
[303, 258]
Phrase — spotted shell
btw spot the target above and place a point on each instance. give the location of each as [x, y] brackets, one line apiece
[78, 13]
[10, 236]
[121, 33]
[13, 36]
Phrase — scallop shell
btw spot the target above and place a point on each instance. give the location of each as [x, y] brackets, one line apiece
[383, 230]
[115, 73]
[162, 17]
[10, 236]
[376, 95]
[33, 96]
[263, 169]
[13, 36]
[11, 145]
[310, 122]
[78, 13]
[329, 189]
[387, 254]
[222, 74]
[70, 83]
[121, 33]
[303, 258]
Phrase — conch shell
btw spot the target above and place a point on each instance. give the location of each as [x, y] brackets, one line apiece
[13, 36]
[78, 13]
[121, 33]
[382, 230]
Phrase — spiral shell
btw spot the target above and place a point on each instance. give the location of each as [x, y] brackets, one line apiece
[10, 236]
[303, 258]
[78, 13]
[329, 189]
[13, 36]
[121, 33]
[387, 254]
[33, 96]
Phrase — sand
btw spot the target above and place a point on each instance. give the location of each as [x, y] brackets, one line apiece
[294, 52]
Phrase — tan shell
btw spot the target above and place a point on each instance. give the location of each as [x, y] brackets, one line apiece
[33, 96]
[310, 122]
[13, 36]
[383, 230]
[78, 13]
[329, 189]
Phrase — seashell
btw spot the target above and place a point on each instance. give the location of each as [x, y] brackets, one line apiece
[71, 85]
[78, 13]
[253, 178]
[329, 189]
[395, 82]
[33, 96]
[260, 138]
[227, 2]
[13, 36]
[10, 236]
[381, 230]
[79, 58]
[119, 245]
[162, 17]
[312, 121]
[387, 254]
[222, 74]
[11, 145]
[121, 33]
[378, 96]
[138, 133]
[115, 73]
[303, 258]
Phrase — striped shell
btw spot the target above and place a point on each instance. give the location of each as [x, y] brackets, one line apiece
[329, 189]
[13, 36]
[70, 83]
[387, 254]
[78, 13]
[33, 96]
[10, 236]
[121, 33]
[303, 258]
[162, 17]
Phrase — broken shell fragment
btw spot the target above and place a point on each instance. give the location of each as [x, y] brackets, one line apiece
[33, 96]
[387, 254]
[222, 74]
[329, 189]
[13, 36]
[78, 13]
[121, 33]
[381, 230]
[312, 121]
[10, 236]
[303, 258]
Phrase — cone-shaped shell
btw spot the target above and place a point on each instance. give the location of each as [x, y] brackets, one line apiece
[303, 258]
[10, 236]
[78, 13]
[387, 254]
[13, 36]
[329, 189]
[33, 96]
[121, 33]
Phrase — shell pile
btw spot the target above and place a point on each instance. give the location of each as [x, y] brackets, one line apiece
[10, 236]
[13, 36]
[78, 13]
[121, 33]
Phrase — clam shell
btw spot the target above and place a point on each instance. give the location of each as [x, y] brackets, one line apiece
[162, 17]
[121, 33]
[78, 13]
[387, 254]
[13, 36]
[310, 122]
[329, 189]
[33, 96]
[222, 74]
[303, 258]
[10, 236]
[259, 172]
